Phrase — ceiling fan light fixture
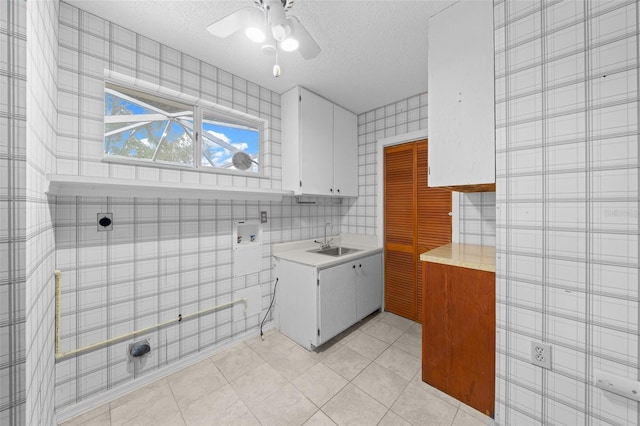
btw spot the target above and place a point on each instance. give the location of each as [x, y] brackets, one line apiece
[289, 44]
[267, 23]
[280, 32]
[278, 20]
[254, 23]
[255, 34]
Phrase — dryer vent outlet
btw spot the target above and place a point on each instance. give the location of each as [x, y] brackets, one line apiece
[139, 349]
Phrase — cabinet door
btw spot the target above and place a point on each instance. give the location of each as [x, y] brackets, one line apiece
[458, 334]
[461, 95]
[345, 152]
[337, 300]
[294, 312]
[368, 285]
[316, 139]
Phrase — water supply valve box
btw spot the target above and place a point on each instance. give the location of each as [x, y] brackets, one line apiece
[247, 247]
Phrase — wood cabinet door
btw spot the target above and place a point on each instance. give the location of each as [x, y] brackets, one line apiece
[458, 334]
[416, 219]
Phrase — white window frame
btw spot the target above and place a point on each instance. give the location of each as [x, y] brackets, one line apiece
[199, 106]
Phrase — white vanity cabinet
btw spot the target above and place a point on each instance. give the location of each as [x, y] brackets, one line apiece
[314, 304]
[461, 96]
[319, 146]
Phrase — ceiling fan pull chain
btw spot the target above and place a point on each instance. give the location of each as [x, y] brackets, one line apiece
[276, 68]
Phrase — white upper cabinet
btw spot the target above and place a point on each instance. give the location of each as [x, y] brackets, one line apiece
[319, 146]
[345, 152]
[461, 97]
[315, 144]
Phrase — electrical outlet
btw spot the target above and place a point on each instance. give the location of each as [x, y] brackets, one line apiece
[105, 222]
[541, 354]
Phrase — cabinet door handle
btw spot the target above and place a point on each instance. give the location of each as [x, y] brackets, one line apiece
[338, 190]
[330, 189]
[360, 266]
[354, 266]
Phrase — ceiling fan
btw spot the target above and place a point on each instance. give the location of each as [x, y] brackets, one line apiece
[267, 22]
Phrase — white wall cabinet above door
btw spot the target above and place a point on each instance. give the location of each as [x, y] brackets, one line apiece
[319, 146]
[461, 97]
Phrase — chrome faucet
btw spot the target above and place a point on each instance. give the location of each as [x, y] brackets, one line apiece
[325, 244]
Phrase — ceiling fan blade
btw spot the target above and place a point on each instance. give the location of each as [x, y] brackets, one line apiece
[308, 47]
[234, 22]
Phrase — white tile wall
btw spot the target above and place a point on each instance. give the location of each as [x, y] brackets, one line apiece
[42, 76]
[27, 152]
[477, 218]
[567, 207]
[13, 104]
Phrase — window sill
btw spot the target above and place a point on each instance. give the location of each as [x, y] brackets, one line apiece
[103, 187]
[168, 166]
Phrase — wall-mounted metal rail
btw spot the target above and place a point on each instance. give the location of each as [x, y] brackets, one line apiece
[93, 346]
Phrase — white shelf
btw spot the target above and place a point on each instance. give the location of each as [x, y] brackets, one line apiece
[101, 187]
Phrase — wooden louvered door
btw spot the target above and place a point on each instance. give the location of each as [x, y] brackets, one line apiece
[416, 219]
[400, 214]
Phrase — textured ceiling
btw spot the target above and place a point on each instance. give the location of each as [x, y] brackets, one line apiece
[373, 52]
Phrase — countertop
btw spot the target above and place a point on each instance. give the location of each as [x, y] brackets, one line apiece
[482, 258]
[297, 251]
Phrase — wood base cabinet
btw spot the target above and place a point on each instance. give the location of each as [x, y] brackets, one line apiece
[458, 333]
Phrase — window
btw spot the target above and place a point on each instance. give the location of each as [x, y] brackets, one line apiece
[145, 127]
[223, 143]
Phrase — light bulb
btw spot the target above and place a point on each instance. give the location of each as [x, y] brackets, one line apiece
[280, 32]
[255, 34]
[289, 45]
[276, 71]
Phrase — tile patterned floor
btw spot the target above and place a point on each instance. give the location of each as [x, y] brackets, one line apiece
[368, 375]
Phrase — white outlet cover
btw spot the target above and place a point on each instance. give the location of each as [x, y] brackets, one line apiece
[541, 354]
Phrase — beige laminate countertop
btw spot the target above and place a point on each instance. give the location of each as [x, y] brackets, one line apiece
[470, 256]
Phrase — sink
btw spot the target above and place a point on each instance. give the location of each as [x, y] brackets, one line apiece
[334, 251]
